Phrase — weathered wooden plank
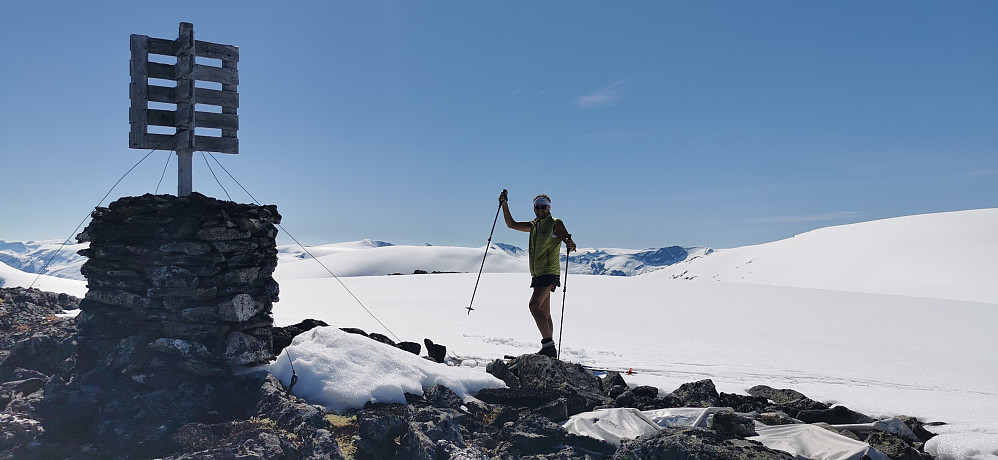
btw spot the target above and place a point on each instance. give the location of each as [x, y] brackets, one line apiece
[165, 94]
[161, 46]
[216, 74]
[161, 71]
[215, 97]
[216, 51]
[217, 144]
[156, 141]
[230, 109]
[162, 118]
[137, 90]
[216, 120]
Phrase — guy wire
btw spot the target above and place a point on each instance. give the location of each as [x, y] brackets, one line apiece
[161, 176]
[98, 204]
[213, 174]
[310, 255]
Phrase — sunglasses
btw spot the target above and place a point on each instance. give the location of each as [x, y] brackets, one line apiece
[541, 207]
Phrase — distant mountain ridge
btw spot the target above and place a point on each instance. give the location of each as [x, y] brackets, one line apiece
[55, 259]
[46, 257]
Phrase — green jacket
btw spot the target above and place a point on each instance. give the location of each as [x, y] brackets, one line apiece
[545, 248]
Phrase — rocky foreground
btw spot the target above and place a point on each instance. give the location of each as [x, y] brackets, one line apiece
[46, 413]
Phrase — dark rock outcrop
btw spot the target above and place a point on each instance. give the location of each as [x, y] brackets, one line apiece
[786, 400]
[284, 335]
[202, 416]
[838, 415]
[575, 383]
[698, 394]
[695, 443]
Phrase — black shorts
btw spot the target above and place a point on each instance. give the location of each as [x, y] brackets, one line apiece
[545, 280]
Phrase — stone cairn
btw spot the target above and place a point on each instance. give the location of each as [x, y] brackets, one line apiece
[179, 288]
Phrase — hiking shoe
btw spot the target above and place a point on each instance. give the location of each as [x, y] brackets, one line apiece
[549, 351]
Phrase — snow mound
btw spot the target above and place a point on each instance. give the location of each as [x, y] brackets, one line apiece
[945, 256]
[344, 371]
[12, 277]
[967, 445]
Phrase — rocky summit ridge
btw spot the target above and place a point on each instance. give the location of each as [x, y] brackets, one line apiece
[45, 414]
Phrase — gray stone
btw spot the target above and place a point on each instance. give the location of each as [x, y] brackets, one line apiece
[500, 370]
[245, 350]
[241, 308]
[442, 397]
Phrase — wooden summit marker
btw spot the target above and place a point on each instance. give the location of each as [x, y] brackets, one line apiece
[186, 95]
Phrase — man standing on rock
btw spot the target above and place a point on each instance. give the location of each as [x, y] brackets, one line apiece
[546, 236]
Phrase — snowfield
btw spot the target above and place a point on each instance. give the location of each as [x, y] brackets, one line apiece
[946, 256]
[887, 317]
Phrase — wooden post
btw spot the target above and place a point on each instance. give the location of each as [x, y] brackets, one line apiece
[185, 109]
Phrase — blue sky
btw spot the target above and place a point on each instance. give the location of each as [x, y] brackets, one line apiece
[649, 124]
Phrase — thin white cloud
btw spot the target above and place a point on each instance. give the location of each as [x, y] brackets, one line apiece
[808, 218]
[608, 95]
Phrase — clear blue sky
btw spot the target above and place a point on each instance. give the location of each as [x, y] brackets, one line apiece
[649, 124]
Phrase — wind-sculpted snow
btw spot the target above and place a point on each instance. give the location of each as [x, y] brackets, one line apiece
[946, 255]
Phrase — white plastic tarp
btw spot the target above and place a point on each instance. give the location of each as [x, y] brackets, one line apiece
[814, 442]
[801, 440]
[611, 425]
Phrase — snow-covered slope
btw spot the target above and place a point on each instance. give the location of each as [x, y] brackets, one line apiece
[32, 257]
[952, 255]
[12, 277]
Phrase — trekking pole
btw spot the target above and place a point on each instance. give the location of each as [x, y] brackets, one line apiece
[487, 245]
[564, 289]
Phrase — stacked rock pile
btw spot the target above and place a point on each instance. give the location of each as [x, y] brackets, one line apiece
[178, 286]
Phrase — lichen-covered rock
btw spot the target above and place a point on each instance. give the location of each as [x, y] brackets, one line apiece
[895, 447]
[698, 394]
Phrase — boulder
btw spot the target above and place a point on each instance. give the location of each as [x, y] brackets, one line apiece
[379, 424]
[698, 394]
[838, 415]
[895, 447]
[411, 347]
[786, 400]
[695, 444]
[284, 335]
[500, 370]
[435, 351]
[572, 381]
[731, 425]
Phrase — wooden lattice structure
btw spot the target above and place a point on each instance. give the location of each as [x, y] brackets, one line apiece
[186, 96]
